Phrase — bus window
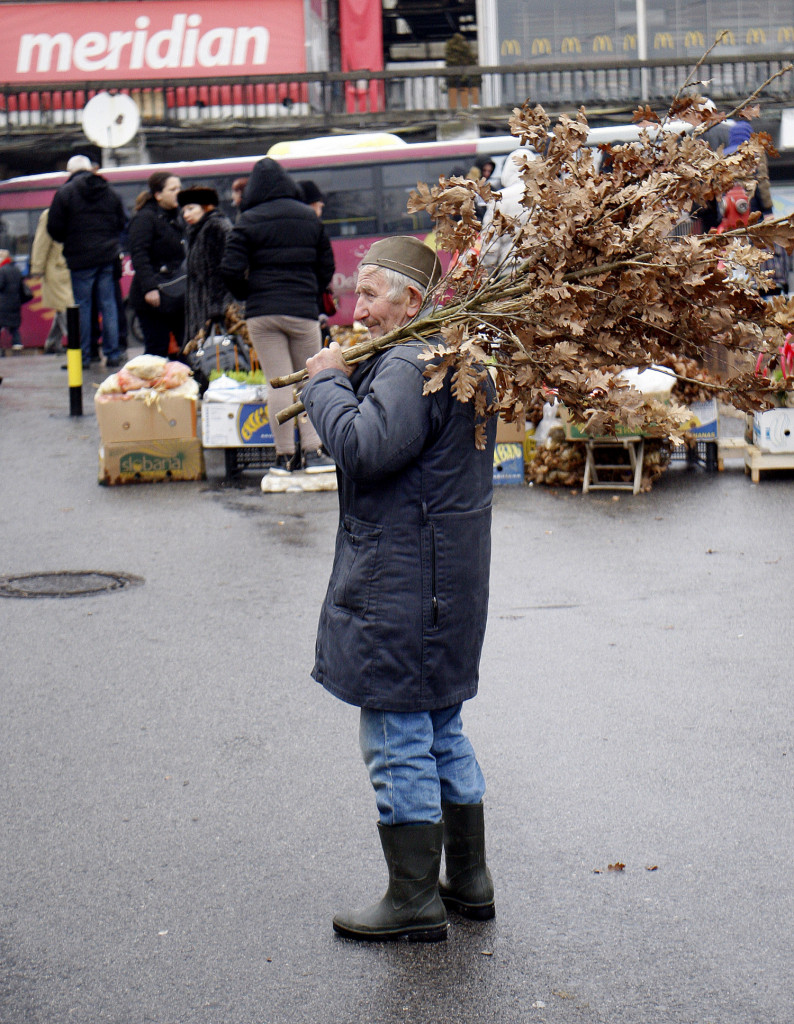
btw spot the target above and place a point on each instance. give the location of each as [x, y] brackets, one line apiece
[351, 206]
[16, 233]
[399, 181]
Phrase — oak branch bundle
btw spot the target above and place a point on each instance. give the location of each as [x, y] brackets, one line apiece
[596, 279]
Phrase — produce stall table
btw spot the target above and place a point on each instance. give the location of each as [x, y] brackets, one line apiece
[756, 461]
[729, 446]
[770, 437]
[601, 449]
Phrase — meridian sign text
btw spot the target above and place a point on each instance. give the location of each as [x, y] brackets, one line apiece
[197, 38]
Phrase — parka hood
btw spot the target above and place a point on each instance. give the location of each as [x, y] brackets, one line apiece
[268, 181]
[91, 186]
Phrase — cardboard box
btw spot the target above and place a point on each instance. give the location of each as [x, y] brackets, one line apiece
[235, 424]
[134, 462]
[773, 431]
[703, 422]
[508, 463]
[511, 432]
[125, 419]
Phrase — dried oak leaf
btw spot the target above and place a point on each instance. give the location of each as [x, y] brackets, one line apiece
[465, 381]
[645, 114]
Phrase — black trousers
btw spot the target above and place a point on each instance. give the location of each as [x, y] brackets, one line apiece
[158, 326]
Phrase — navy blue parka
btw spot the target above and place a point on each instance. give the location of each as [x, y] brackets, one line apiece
[403, 621]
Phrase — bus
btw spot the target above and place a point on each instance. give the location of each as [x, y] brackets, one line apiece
[366, 180]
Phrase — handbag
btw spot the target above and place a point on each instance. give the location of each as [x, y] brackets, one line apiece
[173, 286]
[220, 352]
[25, 294]
[328, 302]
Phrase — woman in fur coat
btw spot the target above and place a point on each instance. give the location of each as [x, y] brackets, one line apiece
[206, 296]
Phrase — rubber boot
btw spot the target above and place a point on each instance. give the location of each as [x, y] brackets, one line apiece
[468, 887]
[411, 908]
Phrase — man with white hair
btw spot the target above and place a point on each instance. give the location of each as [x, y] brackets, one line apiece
[87, 216]
[403, 621]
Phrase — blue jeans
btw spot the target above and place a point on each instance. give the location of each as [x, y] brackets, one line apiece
[415, 760]
[83, 287]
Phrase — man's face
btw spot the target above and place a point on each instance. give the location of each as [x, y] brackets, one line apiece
[168, 197]
[374, 309]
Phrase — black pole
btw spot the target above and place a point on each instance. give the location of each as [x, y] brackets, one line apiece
[74, 361]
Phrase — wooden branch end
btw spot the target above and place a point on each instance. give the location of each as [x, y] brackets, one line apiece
[290, 412]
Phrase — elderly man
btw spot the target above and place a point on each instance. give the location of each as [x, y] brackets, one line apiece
[402, 625]
[88, 218]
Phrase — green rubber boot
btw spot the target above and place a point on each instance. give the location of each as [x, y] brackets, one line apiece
[411, 908]
[468, 886]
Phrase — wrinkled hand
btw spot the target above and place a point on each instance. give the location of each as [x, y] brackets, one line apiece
[328, 359]
[153, 297]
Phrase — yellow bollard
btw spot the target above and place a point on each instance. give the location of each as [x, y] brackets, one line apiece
[74, 361]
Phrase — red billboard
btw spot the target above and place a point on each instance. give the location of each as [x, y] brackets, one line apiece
[130, 40]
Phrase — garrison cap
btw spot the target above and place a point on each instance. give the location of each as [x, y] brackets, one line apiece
[407, 255]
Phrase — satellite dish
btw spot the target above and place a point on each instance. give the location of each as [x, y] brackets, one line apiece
[111, 121]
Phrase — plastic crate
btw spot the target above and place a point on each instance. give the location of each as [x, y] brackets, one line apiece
[260, 456]
[696, 453]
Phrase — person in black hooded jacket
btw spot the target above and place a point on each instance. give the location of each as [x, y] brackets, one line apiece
[87, 217]
[277, 258]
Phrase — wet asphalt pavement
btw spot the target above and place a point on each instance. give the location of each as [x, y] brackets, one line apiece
[183, 809]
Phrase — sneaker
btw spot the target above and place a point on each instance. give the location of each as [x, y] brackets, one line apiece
[283, 465]
[18, 346]
[318, 462]
[113, 362]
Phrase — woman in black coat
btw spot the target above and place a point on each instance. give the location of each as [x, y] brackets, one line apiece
[157, 249]
[207, 296]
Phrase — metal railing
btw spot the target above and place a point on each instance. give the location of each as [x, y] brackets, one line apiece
[332, 100]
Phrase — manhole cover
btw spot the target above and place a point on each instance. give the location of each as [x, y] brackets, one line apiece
[65, 584]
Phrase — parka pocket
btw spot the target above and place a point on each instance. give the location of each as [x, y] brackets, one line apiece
[457, 554]
[355, 565]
